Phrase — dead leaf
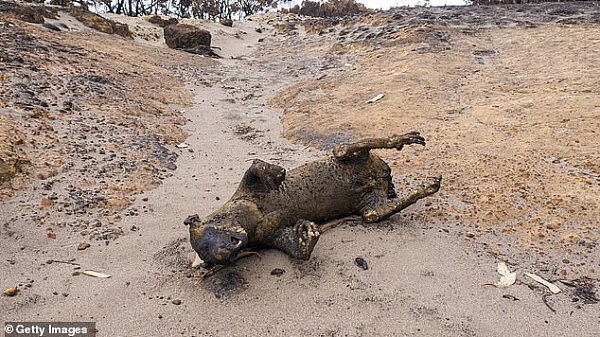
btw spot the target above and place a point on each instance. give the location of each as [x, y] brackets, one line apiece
[197, 262]
[375, 99]
[11, 291]
[95, 274]
[506, 277]
[553, 288]
[46, 202]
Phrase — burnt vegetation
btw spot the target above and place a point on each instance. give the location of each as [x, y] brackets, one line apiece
[216, 9]
[510, 2]
[224, 10]
[332, 8]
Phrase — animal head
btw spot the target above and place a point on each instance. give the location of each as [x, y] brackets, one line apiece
[221, 236]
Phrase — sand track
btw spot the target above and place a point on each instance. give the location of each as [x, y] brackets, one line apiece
[427, 266]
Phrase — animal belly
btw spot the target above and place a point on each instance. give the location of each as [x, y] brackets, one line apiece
[321, 193]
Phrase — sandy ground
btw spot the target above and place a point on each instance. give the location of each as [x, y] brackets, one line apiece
[473, 91]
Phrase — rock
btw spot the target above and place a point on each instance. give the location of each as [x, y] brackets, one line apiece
[83, 246]
[100, 23]
[187, 37]
[277, 272]
[176, 302]
[361, 263]
[227, 22]
[159, 21]
[50, 234]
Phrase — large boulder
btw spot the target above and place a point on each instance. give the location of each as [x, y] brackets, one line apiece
[187, 37]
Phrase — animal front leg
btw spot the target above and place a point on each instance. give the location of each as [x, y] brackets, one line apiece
[298, 241]
[361, 148]
[262, 176]
[378, 212]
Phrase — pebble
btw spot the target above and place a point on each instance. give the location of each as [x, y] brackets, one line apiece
[361, 263]
[277, 271]
[176, 302]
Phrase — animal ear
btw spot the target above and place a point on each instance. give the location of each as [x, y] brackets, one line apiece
[191, 220]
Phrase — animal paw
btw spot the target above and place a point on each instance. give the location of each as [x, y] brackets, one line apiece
[307, 232]
[433, 187]
[414, 137]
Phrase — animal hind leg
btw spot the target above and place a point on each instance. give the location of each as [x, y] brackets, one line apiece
[383, 209]
[362, 147]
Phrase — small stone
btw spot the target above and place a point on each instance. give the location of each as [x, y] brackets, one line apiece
[277, 271]
[553, 226]
[51, 235]
[470, 234]
[227, 22]
[176, 302]
[160, 316]
[83, 246]
[361, 263]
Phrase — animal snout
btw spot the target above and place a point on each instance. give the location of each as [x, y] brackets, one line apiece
[219, 246]
[224, 238]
